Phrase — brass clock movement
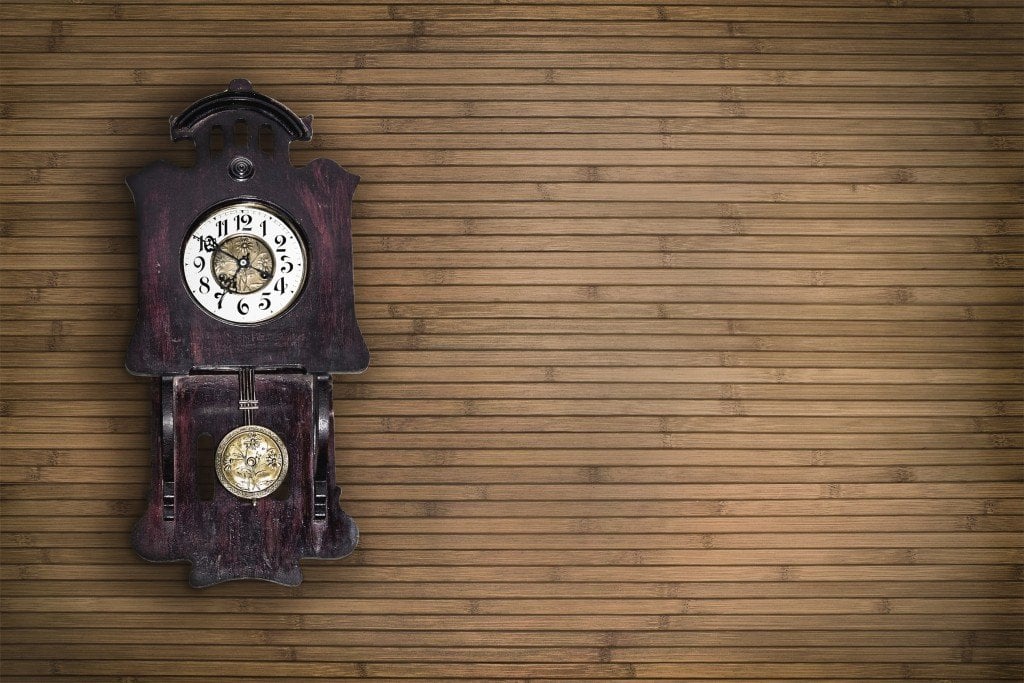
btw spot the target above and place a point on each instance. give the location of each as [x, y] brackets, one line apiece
[246, 307]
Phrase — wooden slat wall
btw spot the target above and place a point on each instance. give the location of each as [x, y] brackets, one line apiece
[695, 332]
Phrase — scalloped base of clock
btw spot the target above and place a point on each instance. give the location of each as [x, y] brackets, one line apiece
[229, 538]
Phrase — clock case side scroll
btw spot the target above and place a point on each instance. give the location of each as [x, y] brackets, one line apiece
[193, 356]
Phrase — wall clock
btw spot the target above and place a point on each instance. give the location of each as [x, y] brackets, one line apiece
[246, 307]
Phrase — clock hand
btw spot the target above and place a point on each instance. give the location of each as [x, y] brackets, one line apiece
[227, 283]
[228, 253]
[265, 274]
[250, 264]
[241, 264]
[210, 244]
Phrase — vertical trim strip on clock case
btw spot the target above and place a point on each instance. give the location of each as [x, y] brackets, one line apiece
[168, 457]
[322, 443]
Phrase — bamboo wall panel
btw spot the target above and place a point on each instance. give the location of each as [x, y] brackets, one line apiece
[695, 332]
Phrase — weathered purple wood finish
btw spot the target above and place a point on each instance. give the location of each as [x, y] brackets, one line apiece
[229, 538]
[173, 334]
[177, 342]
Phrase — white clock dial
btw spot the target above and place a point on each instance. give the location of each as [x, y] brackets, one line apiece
[244, 263]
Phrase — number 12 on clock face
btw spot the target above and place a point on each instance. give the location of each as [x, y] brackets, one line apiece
[244, 263]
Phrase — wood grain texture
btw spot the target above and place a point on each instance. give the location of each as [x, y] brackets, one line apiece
[220, 535]
[696, 331]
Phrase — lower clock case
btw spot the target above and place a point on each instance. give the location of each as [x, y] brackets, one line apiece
[229, 536]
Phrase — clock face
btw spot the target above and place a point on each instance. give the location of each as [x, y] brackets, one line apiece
[244, 263]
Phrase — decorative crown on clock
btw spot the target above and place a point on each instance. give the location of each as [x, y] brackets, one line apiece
[239, 97]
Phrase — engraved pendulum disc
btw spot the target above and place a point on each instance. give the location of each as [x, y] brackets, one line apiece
[251, 462]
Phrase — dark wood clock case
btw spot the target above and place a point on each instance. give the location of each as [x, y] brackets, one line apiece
[196, 360]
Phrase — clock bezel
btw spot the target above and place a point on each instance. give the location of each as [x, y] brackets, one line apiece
[282, 215]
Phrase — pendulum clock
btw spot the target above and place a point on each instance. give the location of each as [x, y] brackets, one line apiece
[245, 309]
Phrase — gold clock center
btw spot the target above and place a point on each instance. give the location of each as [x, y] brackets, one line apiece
[251, 462]
[242, 264]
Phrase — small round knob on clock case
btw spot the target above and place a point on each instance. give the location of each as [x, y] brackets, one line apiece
[241, 168]
[240, 85]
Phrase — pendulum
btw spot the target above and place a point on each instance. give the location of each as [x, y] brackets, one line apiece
[251, 461]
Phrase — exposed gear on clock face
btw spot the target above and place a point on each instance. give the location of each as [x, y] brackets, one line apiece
[242, 265]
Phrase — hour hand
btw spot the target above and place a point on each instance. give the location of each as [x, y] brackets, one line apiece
[209, 244]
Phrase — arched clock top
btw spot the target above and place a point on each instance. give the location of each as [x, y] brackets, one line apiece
[239, 118]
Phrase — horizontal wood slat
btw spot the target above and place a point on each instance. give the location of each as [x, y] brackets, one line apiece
[695, 333]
